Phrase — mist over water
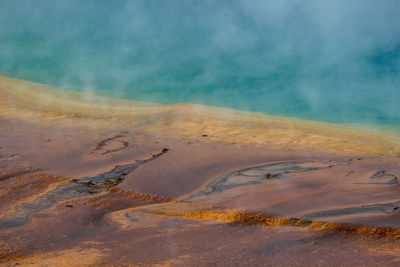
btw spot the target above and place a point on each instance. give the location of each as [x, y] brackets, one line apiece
[325, 60]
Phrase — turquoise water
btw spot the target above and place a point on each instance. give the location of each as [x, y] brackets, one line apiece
[331, 61]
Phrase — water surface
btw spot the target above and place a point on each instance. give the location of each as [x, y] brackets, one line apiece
[336, 61]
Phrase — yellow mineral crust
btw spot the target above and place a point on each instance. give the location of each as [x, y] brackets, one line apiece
[44, 104]
[244, 218]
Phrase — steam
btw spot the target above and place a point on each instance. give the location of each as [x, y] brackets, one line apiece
[336, 60]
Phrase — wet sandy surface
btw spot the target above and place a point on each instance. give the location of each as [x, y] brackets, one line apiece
[76, 191]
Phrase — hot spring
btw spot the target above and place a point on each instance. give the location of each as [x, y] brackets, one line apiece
[336, 61]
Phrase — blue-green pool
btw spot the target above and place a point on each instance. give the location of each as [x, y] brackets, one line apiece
[333, 61]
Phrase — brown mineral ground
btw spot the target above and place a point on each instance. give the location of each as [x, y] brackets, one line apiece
[92, 181]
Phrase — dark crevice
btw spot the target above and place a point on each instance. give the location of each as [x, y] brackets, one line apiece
[103, 144]
[76, 188]
[365, 209]
[254, 175]
[381, 177]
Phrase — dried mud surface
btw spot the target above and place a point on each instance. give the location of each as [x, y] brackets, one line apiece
[76, 191]
[253, 206]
